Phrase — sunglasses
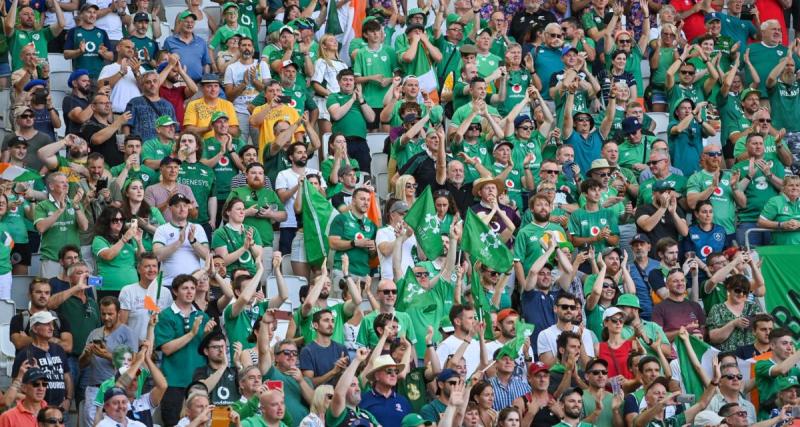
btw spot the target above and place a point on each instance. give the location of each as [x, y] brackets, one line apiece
[654, 162]
[765, 120]
[714, 153]
[740, 291]
[582, 119]
[421, 274]
[288, 352]
[390, 291]
[410, 186]
[549, 171]
[392, 371]
[607, 285]
[687, 72]
[491, 273]
[556, 35]
[116, 220]
[53, 421]
[602, 174]
[568, 307]
[667, 35]
[616, 320]
[732, 377]
[621, 41]
[39, 384]
[26, 116]
[525, 128]
[598, 372]
[474, 127]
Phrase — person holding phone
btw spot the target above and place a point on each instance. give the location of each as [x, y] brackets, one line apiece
[115, 247]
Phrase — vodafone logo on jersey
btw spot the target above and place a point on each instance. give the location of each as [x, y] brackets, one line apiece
[706, 250]
[359, 236]
[293, 103]
[516, 88]
[718, 191]
[509, 183]
[594, 231]
[223, 161]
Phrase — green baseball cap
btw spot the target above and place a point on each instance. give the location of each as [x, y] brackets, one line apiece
[218, 115]
[628, 300]
[186, 14]
[414, 420]
[274, 26]
[663, 185]
[454, 19]
[229, 5]
[745, 93]
[165, 121]
[368, 19]
[785, 382]
[415, 11]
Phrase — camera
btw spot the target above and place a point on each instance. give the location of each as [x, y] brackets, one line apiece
[40, 96]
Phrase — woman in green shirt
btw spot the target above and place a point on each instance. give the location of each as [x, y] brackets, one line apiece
[115, 246]
[233, 240]
[17, 218]
[147, 217]
[6, 243]
[337, 150]
[446, 210]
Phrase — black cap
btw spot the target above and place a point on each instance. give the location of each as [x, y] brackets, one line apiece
[178, 198]
[17, 140]
[141, 17]
[640, 237]
[87, 6]
[112, 392]
[169, 159]
[33, 374]
[414, 27]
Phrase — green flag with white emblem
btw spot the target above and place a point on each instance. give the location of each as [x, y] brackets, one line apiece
[408, 292]
[422, 219]
[484, 245]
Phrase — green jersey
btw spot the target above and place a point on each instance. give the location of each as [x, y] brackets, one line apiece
[326, 168]
[20, 38]
[770, 148]
[146, 49]
[528, 243]
[764, 59]
[225, 169]
[638, 153]
[767, 384]
[451, 62]
[618, 208]
[500, 45]
[731, 115]
[232, 239]
[247, 18]
[300, 98]
[119, 271]
[353, 122]
[350, 228]
[261, 198]
[179, 366]
[419, 65]
[309, 333]
[90, 60]
[153, 149]
[200, 178]
[781, 209]
[785, 102]
[383, 62]
[646, 188]
[403, 152]
[6, 243]
[368, 338]
[276, 53]
[464, 111]
[532, 146]
[63, 232]
[145, 174]
[759, 189]
[15, 219]
[679, 92]
[239, 328]
[513, 182]
[435, 112]
[721, 199]
[718, 295]
[487, 64]
[517, 83]
[480, 150]
[659, 76]
[583, 223]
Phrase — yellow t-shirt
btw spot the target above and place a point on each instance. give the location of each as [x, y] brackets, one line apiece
[198, 113]
[265, 134]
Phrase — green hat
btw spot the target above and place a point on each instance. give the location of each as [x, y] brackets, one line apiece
[453, 19]
[663, 185]
[165, 121]
[368, 19]
[274, 26]
[628, 300]
[784, 383]
[218, 115]
[745, 93]
[289, 29]
[414, 420]
[229, 5]
[186, 14]
[415, 11]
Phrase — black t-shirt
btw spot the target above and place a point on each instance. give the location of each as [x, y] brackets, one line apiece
[665, 228]
[423, 168]
[341, 198]
[227, 390]
[68, 104]
[36, 142]
[54, 363]
[16, 326]
[462, 196]
[522, 23]
[111, 153]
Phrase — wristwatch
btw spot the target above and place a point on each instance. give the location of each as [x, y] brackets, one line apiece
[191, 242]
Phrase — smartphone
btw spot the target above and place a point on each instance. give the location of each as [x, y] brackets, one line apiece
[685, 398]
[275, 385]
[95, 281]
[795, 412]
[220, 416]
[102, 184]
[283, 99]
[282, 315]
[615, 386]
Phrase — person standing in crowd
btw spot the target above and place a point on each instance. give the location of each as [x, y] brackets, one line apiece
[147, 108]
[178, 244]
[87, 45]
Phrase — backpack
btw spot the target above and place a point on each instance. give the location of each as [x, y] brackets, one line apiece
[26, 320]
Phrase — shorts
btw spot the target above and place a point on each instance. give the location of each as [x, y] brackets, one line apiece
[21, 254]
[658, 96]
[298, 248]
[5, 69]
[322, 107]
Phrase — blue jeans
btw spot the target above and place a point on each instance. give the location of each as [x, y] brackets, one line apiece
[757, 238]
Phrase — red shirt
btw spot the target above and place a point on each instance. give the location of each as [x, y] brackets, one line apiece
[617, 358]
[693, 25]
[176, 97]
[18, 416]
[772, 9]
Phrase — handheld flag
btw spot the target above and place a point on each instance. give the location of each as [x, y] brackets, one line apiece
[513, 347]
[153, 294]
[705, 354]
[407, 289]
[422, 219]
[560, 238]
[16, 173]
[317, 214]
[481, 303]
[484, 245]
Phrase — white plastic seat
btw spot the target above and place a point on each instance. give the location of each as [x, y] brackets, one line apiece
[57, 62]
[19, 290]
[36, 259]
[382, 186]
[7, 311]
[661, 120]
[293, 284]
[380, 163]
[214, 12]
[58, 82]
[7, 350]
[171, 12]
[5, 104]
[376, 141]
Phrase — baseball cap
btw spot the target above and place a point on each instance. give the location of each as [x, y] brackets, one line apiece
[453, 19]
[21, 109]
[141, 17]
[229, 5]
[34, 82]
[414, 420]
[468, 49]
[164, 121]
[87, 6]
[786, 382]
[610, 312]
[33, 374]
[178, 198]
[415, 11]
[44, 316]
[289, 63]
[663, 185]
[446, 374]
[186, 14]
[707, 417]
[594, 361]
[113, 392]
[209, 78]
[640, 237]
[631, 125]
[287, 28]
[537, 367]
[414, 27]
[713, 16]
[567, 49]
[75, 75]
[506, 312]
[745, 93]
[399, 207]
[505, 142]
[218, 115]
[521, 119]
[18, 140]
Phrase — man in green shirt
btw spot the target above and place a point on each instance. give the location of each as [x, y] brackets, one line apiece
[58, 220]
[718, 186]
[88, 46]
[387, 298]
[316, 299]
[572, 402]
[374, 66]
[27, 33]
[273, 409]
[221, 153]
[781, 365]
[232, 27]
[178, 334]
[592, 224]
[132, 168]
[782, 213]
[353, 234]
[529, 242]
[350, 115]
[154, 150]
[659, 164]
[415, 52]
[765, 55]
[298, 390]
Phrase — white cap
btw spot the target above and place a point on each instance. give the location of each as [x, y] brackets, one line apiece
[611, 311]
[707, 418]
[42, 317]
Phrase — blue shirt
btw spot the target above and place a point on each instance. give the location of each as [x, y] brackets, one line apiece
[537, 309]
[320, 360]
[193, 55]
[587, 149]
[547, 62]
[703, 243]
[389, 411]
[737, 29]
[685, 148]
[639, 277]
[143, 120]
[504, 395]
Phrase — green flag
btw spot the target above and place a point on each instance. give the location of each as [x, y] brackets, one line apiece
[422, 219]
[781, 270]
[484, 245]
[705, 354]
[481, 303]
[513, 347]
[408, 289]
[317, 216]
[332, 25]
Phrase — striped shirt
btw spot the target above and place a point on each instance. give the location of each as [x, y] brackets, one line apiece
[504, 395]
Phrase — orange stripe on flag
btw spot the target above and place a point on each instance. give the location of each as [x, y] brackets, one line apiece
[374, 214]
[359, 13]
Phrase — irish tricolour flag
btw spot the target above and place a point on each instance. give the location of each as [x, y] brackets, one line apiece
[16, 173]
[705, 355]
[153, 294]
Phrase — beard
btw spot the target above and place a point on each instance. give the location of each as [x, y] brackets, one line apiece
[301, 163]
[541, 218]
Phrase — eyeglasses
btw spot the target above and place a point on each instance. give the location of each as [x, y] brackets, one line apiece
[420, 274]
[391, 291]
[26, 116]
[525, 128]
[288, 352]
[617, 320]
[556, 35]
[714, 153]
[457, 28]
[667, 35]
[391, 371]
[654, 162]
[491, 273]
[765, 120]
[568, 307]
[39, 384]
[688, 72]
[621, 41]
[411, 185]
[474, 127]
[53, 421]
[549, 171]
[116, 220]
[740, 291]
[732, 377]
[582, 119]
[598, 372]
[608, 285]
[602, 174]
